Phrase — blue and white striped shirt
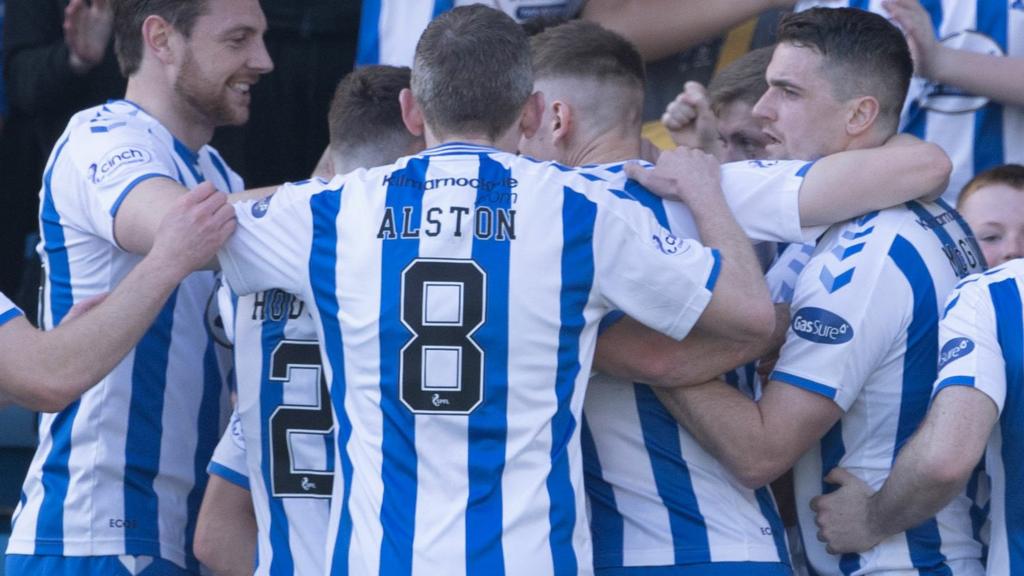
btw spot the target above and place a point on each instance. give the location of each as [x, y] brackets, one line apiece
[122, 470]
[457, 297]
[982, 339]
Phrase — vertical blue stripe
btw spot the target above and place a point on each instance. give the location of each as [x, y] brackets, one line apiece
[488, 424]
[271, 397]
[323, 261]
[442, 6]
[672, 479]
[368, 48]
[398, 473]
[917, 120]
[993, 20]
[833, 449]
[860, 4]
[606, 522]
[919, 372]
[145, 431]
[577, 268]
[219, 165]
[56, 476]
[771, 513]
[1009, 311]
[934, 9]
[208, 432]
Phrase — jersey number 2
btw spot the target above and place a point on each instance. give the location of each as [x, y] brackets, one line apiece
[443, 303]
[288, 480]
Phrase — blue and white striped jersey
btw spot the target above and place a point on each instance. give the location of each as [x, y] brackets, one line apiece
[865, 334]
[122, 470]
[8, 311]
[656, 497]
[982, 340]
[283, 445]
[976, 132]
[458, 295]
[389, 29]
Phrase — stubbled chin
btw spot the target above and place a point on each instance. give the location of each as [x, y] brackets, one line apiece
[775, 151]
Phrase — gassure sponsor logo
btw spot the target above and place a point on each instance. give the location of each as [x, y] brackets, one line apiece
[954, 349]
[821, 326]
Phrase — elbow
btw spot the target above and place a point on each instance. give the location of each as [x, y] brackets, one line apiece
[758, 474]
[47, 397]
[946, 472]
[757, 325]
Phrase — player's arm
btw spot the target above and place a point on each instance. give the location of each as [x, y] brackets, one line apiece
[998, 77]
[740, 307]
[225, 539]
[46, 371]
[142, 210]
[854, 182]
[630, 350]
[756, 441]
[661, 28]
[930, 470]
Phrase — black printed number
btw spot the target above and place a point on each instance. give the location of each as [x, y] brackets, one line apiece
[441, 368]
[287, 479]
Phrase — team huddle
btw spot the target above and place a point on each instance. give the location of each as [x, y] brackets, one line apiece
[488, 337]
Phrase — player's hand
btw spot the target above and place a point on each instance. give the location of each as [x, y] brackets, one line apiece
[690, 121]
[194, 229]
[685, 174]
[842, 516]
[88, 27]
[920, 32]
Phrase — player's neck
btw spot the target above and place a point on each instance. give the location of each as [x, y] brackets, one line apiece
[604, 149]
[172, 114]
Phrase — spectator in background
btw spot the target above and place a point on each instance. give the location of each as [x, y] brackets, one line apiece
[58, 59]
[313, 44]
[992, 203]
[968, 94]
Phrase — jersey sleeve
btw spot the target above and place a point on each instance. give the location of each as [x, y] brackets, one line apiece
[111, 160]
[655, 277]
[8, 311]
[783, 274]
[228, 460]
[969, 350]
[271, 245]
[843, 327]
[765, 199]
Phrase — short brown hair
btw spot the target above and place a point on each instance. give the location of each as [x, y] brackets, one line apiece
[1011, 175]
[365, 119]
[129, 16]
[472, 72]
[865, 54]
[582, 48]
[741, 81]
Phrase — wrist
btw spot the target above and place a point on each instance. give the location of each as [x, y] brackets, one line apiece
[937, 68]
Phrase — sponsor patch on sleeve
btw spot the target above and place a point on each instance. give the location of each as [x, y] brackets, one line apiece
[669, 243]
[115, 160]
[954, 349]
[261, 207]
[821, 326]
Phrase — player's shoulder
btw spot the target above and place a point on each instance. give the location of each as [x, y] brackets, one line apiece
[976, 286]
[763, 168]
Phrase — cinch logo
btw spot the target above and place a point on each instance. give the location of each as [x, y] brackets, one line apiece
[762, 163]
[115, 160]
[954, 349]
[821, 326]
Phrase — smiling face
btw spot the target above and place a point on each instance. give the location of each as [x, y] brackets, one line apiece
[801, 117]
[221, 59]
[995, 213]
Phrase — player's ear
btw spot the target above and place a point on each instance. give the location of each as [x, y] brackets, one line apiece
[562, 120]
[533, 111]
[412, 114]
[862, 115]
[157, 35]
